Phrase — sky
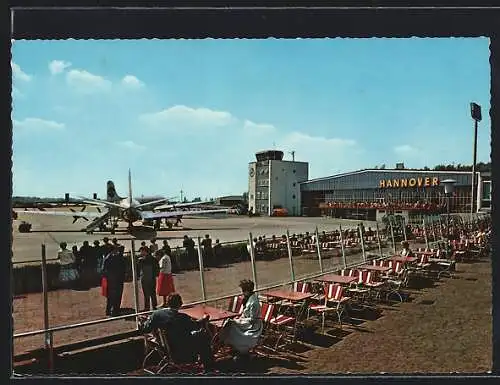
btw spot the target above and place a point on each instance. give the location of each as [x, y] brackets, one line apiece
[190, 114]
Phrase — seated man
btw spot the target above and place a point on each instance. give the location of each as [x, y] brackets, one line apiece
[187, 338]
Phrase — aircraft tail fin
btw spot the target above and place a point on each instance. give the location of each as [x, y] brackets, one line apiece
[112, 196]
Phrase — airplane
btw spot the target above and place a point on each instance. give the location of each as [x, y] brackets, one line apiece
[126, 209]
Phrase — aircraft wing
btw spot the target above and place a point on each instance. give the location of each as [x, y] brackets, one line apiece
[172, 214]
[101, 203]
[79, 214]
[175, 205]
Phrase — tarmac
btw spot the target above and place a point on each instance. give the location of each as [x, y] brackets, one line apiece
[52, 230]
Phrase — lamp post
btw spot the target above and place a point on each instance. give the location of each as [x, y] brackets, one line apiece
[475, 111]
[449, 186]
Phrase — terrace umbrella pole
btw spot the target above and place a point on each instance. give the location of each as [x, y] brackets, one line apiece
[360, 230]
[404, 228]
[392, 235]
[252, 260]
[434, 229]
[318, 248]
[289, 248]
[342, 247]
[202, 276]
[135, 282]
[441, 224]
[379, 243]
[425, 234]
[49, 344]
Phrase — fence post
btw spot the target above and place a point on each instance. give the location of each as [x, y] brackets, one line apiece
[342, 247]
[379, 243]
[49, 345]
[425, 233]
[320, 260]
[392, 235]
[135, 282]
[360, 230]
[252, 260]
[289, 247]
[202, 268]
[434, 229]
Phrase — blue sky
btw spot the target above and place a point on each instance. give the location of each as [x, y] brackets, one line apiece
[190, 114]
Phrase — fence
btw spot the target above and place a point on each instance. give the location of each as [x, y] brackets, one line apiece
[278, 261]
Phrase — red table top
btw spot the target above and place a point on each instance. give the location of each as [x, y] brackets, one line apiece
[404, 259]
[335, 278]
[374, 268]
[287, 294]
[198, 311]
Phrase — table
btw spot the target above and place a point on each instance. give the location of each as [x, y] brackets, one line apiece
[404, 259]
[292, 296]
[198, 311]
[380, 269]
[335, 278]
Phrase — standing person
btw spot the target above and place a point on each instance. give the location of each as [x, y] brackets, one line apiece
[114, 272]
[165, 283]
[243, 333]
[67, 273]
[188, 244]
[86, 261]
[166, 248]
[143, 246]
[97, 257]
[207, 251]
[153, 246]
[218, 257]
[148, 270]
[406, 252]
[106, 249]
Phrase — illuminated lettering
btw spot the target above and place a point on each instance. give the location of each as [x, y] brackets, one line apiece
[395, 183]
[427, 181]
[381, 183]
[435, 181]
[419, 180]
[412, 182]
[404, 182]
[388, 184]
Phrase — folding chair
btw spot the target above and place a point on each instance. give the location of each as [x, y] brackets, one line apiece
[333, 294]
[274, 322]
[157, 343]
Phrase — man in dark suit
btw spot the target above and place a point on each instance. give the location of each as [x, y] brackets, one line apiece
[114, 271]
[187, 338]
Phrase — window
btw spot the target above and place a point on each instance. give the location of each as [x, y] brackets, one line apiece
[294, 184]
[293, 196]
[294, 171]
[251, 196]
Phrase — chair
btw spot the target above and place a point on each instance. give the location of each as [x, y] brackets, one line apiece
[156, 343]
[273, 322]
[333, 294]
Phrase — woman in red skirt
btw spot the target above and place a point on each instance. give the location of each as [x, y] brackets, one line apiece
[165, 283]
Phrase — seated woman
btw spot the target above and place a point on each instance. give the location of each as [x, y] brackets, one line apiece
[243, 333]
[406, 252]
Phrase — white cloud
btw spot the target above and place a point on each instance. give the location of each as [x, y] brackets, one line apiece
[131, 145]
[180, 115]
[404, 149]
[37, 124]
[17, 73]
[16, 93]
[132, 82]
[86, 82]
[58, 66]
[258, 128]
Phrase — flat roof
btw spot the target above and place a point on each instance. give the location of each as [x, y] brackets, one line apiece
[404, 170]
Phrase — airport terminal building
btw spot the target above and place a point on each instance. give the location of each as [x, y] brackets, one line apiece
[371, 193]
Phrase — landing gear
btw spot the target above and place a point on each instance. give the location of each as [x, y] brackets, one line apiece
[24, 227]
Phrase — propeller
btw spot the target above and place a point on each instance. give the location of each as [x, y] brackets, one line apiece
[75, 218]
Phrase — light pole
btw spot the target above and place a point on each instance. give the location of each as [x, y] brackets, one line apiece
[475, 111]
[449, 186]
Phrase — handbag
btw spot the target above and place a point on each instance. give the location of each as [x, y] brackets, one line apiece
[104, 286]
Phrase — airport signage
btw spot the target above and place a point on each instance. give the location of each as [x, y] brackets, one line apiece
[409, 182]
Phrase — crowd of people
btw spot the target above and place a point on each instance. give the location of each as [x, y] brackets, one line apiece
[419, 205]
[80, 267]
